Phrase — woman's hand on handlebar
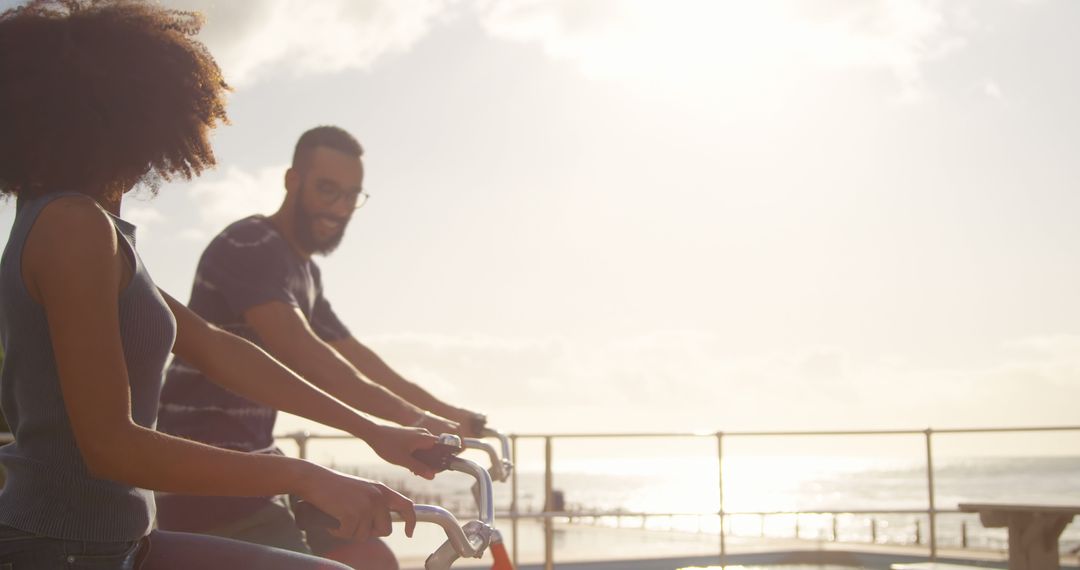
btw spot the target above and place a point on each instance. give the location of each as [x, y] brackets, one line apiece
[397, 444]
[361, 507]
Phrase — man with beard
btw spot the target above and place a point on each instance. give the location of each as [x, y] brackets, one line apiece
[257, 279]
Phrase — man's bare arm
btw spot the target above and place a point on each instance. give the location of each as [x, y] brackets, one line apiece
[371, 365]
[243, 368]
[288, 336]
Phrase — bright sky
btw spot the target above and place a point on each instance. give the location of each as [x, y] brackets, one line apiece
[595, 215]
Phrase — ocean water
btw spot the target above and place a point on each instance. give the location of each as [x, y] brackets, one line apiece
[686, 491]
[780, 567]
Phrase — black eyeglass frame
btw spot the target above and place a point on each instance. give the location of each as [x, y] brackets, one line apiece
[329, 193]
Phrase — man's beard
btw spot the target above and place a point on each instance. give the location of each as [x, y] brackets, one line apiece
[305, 234]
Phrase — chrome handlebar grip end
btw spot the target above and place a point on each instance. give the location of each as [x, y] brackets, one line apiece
[501, 468]
[497, 471]
[504, 441]
[500, 471]
[507, 471]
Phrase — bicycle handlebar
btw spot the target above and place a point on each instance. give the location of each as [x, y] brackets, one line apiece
[485, 503]
[438, 456]
[503, 440]
[500, 468]
[462, 541]
[468, 541]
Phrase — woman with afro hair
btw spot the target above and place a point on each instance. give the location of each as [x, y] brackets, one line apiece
[98, 97]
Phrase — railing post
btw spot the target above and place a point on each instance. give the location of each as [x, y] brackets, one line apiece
[514, 498]
[549, 525]
[873, 530]
[932, 511]
[301, 438]
[720, 482]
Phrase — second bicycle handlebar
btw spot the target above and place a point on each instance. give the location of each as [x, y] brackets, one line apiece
[468, 541]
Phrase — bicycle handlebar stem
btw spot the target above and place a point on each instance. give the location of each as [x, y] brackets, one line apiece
[485, 503]
[471, 540]
[500, 468]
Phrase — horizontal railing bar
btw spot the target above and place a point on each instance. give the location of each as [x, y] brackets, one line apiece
[632, 435]
[629, 514]
[802, 433]
[7, 437]
[1007, 430]
[713, 435]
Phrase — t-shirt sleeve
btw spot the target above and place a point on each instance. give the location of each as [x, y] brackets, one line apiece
[247, 271]
[326, 323]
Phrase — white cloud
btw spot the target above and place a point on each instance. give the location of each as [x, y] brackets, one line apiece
[1052, 360]
[686, 380]
[655, 42]
[255, 38]
[741, 45]
[144, 217]
[238, 194]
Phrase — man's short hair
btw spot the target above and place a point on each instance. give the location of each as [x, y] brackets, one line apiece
[328, 136]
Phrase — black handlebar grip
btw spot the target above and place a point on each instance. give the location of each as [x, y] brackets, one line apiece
[477, 423]
[437, 457]
[308, 517]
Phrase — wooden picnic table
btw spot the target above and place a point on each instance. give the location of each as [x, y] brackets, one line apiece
[1033, 531]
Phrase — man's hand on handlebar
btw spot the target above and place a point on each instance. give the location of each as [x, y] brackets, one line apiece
[470, 424]
[361, 507]
[463, 423]
[397, 444]
[437, 425]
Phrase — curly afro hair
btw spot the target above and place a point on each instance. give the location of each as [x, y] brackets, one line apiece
[97, 96]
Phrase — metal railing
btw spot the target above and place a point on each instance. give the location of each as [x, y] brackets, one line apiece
[548, 516]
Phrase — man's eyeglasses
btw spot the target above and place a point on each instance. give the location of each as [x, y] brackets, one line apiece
[329, 193]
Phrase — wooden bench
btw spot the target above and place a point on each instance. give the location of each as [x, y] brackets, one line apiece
[1033, 531]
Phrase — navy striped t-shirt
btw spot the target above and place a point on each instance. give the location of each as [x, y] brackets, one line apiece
[246, 265]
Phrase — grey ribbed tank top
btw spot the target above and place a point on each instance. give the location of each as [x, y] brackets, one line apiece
[49, 490]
